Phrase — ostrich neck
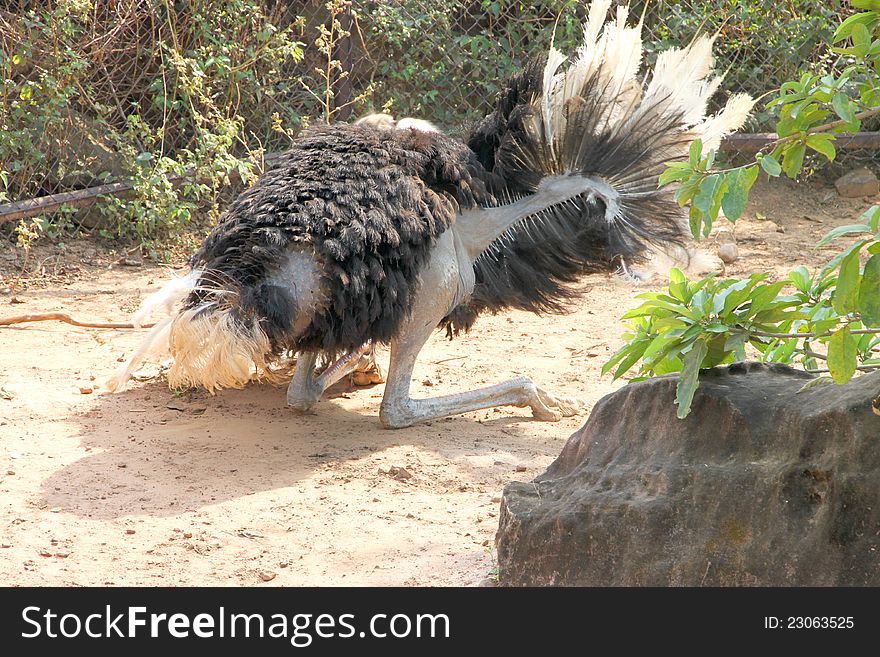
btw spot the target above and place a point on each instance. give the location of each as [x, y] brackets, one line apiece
[477, 228]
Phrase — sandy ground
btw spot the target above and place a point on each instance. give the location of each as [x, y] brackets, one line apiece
[150, 487]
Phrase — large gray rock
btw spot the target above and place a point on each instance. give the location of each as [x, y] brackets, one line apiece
[760, 485]
[857, 183]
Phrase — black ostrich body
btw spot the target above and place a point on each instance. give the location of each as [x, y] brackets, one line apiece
[370, 234]
[377, 233]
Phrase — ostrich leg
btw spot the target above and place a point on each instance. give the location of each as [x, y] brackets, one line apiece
[438, 289]
[399, 410]
[305, 388]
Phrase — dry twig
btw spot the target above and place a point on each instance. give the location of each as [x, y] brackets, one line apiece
[67, 319]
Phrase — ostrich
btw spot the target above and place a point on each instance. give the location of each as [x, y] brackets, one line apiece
[367, 235]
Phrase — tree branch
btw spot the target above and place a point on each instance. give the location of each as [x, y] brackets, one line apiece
[67, 319]
[861, 368]
[785, 336]
[826, 127]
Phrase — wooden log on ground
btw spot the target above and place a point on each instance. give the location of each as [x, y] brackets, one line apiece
[82, 198]
[752, 143]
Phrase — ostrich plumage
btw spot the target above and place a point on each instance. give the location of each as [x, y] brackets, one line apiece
[379, 233]
[366, 206]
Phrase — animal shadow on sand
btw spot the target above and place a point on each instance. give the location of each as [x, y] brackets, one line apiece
[157, 453]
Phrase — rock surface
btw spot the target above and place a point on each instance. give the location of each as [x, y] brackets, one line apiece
[858, 182]
[728, 253]
[761, 485]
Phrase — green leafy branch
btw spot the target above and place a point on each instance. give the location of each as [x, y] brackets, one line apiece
[804, 108]
[828, 321]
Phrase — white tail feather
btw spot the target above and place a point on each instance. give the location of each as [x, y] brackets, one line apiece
[681, 78]
[156, 343]
[210, 347]
[172, 293]
[214, 350]
[552, 100]
[730, 118]
[680, 85]
[623, 51]
[595, 21]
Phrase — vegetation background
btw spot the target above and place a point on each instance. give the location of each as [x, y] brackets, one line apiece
[184, 99]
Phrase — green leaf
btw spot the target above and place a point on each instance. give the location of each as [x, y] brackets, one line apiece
[688, 336]
[708, 200]
[815, 115]
[737, 294]
[695, 220]
[677, 309]
[717, 353]
[844, 107]
[695, 153]
[770, 165]
[675, 172]
[616, 358]
[864, 343]
[667, 323]
[843, 230]
[776, 315]
[871, 5]
[825, 325]
[678, 285]
[801, 106]
[689, 378]
[688, 188]
[629, 353]
[828, 273]
[869, 293]
[786, 126]
[846, 294]
[801, 279]
[793, 160]
[657, 345]
[764, 295]
[737, 195]
[707, 162]
[735, 344]
[845, 29]
[861, 39]
[833, 264]
[842, 354]
[872, 215]
[637, 350]
[785, 353]
[640, 311]
[716, 327]
[822, 143]
[780, 351]
[667, 365]
[787, 88]
[723, 303]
